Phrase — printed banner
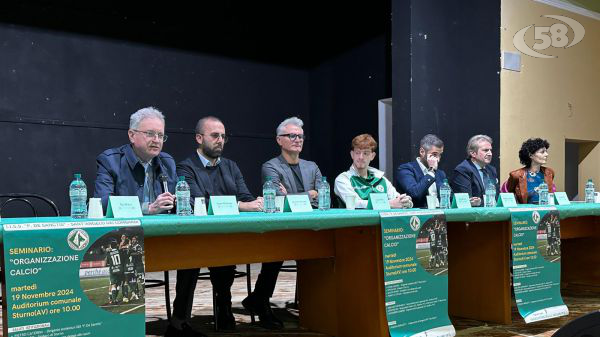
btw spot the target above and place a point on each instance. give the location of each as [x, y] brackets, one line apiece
[74, 279]
[415, 263]
[536, 263]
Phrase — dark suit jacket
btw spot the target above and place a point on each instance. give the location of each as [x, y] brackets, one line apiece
[201, 185]
[411, 180]
[466, 179]
[121, 173]
[280, 171]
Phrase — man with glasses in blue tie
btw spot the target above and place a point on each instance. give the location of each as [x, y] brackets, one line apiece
[473, 174]
[135, 169]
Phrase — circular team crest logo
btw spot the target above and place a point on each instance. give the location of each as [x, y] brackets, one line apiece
[536, 217]
[379, 188]
[415, 223]
[78, 239]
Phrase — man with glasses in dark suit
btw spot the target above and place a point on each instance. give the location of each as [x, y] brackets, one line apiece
[135, 169]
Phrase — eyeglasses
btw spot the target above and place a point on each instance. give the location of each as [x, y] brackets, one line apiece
[153, 134]
[216, 135]
[292, 136]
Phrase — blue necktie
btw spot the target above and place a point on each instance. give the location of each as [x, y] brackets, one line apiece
[486, 179]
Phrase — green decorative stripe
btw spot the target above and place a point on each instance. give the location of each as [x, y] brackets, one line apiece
[169, 225]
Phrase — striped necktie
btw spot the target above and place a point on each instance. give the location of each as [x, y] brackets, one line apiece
[486, 178]
[148, 185]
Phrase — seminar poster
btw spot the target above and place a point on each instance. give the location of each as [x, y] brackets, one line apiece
[536, 263]
[415, 263]
[74, 279]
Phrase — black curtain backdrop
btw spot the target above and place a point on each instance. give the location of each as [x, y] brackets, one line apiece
[65, 96]
[446, 75]
[73, 73]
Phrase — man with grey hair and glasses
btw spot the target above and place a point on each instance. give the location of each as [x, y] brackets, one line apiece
[421, 178]
[473, 174]
[135, 169]
[292, 175]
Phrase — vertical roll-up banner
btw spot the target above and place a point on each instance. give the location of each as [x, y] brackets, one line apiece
[415, 263]
[536, 263]
[79, 278]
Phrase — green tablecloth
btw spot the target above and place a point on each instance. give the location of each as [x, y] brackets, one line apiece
[169, 225]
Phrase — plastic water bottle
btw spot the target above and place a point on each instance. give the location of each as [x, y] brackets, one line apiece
[324, 196]
[182, 195]
[445, 193]
[490, 195]
[78, 195]
[589, 191]
[269, 192]
[543, 193]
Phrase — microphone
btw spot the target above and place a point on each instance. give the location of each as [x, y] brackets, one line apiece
[163, 177]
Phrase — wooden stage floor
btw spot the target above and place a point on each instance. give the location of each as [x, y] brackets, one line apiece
[580, 300]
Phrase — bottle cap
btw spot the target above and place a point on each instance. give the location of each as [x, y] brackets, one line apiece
[181, 178]
[77, 175]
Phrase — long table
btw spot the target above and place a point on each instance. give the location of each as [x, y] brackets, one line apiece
[340, 273]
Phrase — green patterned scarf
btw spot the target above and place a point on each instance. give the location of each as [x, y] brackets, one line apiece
[365, 186]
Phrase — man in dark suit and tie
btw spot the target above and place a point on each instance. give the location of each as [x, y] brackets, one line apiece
[209, 174]
[473, 174]
[421, 178]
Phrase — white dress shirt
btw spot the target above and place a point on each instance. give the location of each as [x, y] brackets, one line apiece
[432, 187]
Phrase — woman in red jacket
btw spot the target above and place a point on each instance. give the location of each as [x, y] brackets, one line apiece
[525, 181]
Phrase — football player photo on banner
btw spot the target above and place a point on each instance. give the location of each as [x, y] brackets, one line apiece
[79, 278]
[415, 265]
[536, 263]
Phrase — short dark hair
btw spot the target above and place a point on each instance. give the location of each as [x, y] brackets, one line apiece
[429, 141]
[529, 147]
[202, 121]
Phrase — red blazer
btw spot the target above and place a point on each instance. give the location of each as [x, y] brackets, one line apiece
[517, 182]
